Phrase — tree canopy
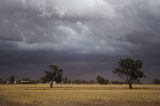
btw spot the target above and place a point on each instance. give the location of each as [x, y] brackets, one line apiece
[129, 70]
[55, 74]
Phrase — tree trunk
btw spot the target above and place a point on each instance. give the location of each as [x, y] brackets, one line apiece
[51, 85]
[130, 85]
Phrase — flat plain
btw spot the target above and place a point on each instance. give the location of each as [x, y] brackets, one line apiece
[79, 95]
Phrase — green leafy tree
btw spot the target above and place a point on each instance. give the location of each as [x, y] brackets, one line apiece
[55, 74]
[101, 80]
[130, 70]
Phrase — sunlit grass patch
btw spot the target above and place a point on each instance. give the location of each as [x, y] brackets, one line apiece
[79, 95]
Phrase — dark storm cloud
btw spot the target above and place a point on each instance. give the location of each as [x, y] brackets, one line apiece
[78, 34]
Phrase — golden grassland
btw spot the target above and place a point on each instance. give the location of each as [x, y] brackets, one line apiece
[79, 95]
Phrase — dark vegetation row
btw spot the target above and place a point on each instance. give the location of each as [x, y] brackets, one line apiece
[11, 80]
[128, 69]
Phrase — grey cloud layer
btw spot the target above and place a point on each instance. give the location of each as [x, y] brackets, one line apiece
[82, 25]
[83, 28]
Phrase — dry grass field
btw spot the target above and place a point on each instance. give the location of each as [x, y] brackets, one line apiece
[79, 95]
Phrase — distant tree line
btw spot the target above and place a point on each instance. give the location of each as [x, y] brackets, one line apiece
[65, 80]
[2, 81]
[128, 69]
[156, 81]
[102, 80]
[12, 80]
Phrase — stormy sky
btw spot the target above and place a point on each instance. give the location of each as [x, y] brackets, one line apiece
[84, 37]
